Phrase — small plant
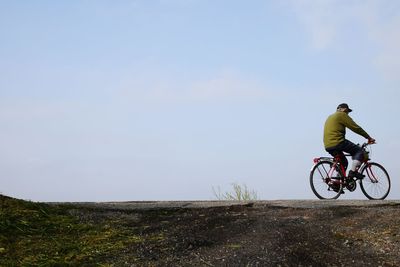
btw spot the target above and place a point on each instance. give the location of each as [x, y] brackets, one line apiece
[239, 193]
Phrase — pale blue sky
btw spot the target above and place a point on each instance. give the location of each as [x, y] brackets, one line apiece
[164, 99]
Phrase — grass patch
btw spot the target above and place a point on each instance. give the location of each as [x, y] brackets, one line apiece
[238, 193]
[43, 235]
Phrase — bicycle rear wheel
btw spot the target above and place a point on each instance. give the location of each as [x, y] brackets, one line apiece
[376, 183]
[321, 184]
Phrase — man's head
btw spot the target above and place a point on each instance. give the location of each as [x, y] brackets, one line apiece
[344, 108]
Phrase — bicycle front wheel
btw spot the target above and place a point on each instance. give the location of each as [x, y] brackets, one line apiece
[376, 183]
[321, 183]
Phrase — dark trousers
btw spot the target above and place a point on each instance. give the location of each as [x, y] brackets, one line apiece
[346, 146]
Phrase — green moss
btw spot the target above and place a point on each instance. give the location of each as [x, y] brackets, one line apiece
[234, 246]
[37, 234]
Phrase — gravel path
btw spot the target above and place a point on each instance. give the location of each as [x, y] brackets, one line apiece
[306, 204]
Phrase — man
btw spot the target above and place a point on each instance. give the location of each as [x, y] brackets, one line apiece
[336, 143]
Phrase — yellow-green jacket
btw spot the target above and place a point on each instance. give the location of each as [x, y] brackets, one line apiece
[335, 129]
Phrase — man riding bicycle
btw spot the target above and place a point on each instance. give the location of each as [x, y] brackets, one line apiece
[335, 142]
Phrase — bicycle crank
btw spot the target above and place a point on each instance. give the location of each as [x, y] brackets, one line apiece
[351, 185]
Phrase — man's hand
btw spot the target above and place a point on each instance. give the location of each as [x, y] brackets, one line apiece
[371, 140]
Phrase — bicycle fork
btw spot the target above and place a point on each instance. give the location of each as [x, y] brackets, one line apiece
[371, 174]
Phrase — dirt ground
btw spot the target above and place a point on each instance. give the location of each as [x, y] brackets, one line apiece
[257, 234]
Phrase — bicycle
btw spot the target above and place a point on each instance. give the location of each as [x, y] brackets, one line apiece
[328, 178]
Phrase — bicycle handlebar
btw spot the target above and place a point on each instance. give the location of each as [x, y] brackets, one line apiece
[368, 144]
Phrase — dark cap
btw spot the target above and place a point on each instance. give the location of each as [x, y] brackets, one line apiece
[344, 105]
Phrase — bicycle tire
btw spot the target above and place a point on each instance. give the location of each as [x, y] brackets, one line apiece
[319, 186]
[375, 190]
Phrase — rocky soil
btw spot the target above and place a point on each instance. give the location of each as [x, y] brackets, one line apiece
[274, 233]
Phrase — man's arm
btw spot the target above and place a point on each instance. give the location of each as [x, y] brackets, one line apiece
[349, 123]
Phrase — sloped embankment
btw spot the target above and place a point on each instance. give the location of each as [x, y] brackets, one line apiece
[257, 234]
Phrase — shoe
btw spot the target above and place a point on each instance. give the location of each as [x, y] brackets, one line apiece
[357, 175]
